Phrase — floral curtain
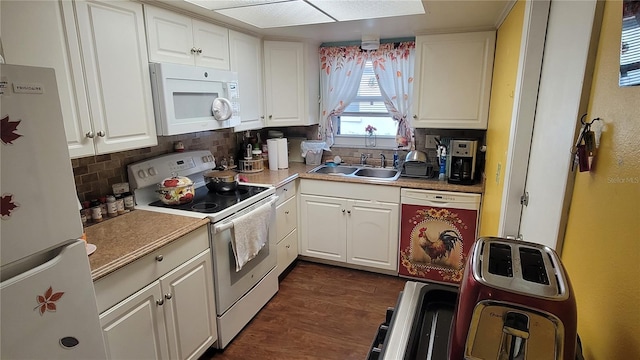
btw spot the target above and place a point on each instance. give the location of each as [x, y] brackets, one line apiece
[340, 73]
[394, 69]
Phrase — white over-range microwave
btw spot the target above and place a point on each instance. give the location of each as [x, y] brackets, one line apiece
[188, 99]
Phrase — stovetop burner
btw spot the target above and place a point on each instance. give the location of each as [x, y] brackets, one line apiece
[205, 207]
[236, 192]
[206, 201]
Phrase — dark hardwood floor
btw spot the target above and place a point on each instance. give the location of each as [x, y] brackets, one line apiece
[320, 312]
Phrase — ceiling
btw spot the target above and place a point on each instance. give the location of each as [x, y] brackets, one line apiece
[440, 16]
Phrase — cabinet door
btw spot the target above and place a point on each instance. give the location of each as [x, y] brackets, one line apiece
[189, 307]
[212, 42]
[454, 80]
[373, 234]
[116, 68]
[287, 250]
[245, 55]
[169, 36]
[45, 43]
[284, 83]
[135, 328]
[323, 227]
[286, 217]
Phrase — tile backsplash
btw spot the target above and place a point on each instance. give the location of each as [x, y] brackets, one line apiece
[94, 175]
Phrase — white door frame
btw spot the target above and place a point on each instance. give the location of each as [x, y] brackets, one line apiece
[524, 109]
[565, 80]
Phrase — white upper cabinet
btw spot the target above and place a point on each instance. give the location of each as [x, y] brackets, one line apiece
[453, 74]
[291, 83]
[116, 71]
[179, 39]
[98, 51]
[245, 55]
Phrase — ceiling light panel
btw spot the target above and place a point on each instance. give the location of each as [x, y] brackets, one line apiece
[280, 14]
[226, 4]
[346, 10]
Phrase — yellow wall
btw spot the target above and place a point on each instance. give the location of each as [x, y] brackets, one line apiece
[502, 89]
[602, 242]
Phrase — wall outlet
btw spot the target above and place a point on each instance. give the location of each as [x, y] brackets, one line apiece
[430, 141]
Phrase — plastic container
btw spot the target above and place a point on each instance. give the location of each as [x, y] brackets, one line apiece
[312, 151]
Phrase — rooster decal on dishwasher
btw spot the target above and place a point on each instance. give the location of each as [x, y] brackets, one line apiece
[437, 243]
[440, 247]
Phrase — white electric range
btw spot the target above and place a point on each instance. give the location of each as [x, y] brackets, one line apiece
[239, 295]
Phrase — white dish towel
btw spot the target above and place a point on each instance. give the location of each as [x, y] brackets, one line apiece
[251, 233]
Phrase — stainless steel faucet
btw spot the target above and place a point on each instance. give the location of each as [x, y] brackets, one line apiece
[363, 159]
[383, 160]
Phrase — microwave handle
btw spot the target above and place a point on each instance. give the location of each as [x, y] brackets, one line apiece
[221, 109]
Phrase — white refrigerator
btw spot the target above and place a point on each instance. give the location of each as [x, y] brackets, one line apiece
[47, 301]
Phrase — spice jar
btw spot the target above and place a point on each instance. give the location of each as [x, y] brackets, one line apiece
[103, 205]
[111, 206]
[83, 218]
[120, 204]
[96, 211]
[128, 201]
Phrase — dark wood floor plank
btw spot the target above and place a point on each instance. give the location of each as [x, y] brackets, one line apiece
[320, 312]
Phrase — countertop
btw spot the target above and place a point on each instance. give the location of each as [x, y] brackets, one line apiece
[128, 237]
[300, 170]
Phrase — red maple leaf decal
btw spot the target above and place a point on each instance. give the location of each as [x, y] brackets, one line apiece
[48, 301]
[7, 130]
[7, 205]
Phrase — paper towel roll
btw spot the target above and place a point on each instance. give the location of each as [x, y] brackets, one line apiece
[283, 154]
[272, 149]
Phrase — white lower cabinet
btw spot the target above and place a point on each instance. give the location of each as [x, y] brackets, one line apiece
[287, 225]
[135, 329]
[173, 317]
[351, 223]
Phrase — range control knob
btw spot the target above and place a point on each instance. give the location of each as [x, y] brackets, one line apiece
[152, 171]
[204, 159]
[142, 174]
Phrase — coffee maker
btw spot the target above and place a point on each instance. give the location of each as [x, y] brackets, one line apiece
[462, 167]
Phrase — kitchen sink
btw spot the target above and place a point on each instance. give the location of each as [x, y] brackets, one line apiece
[358, 172]
[324, 169]
[377, 173]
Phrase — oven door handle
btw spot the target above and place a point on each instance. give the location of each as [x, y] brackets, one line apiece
[229, 225]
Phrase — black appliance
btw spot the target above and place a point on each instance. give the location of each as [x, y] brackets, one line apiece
[206, 201]
[462, 167]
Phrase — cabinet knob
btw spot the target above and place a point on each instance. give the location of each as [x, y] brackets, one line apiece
[415, 116]
[101, 133]
[288, 246]
[168, 296]
[262, 117]
[159, 258]
[270, 116]
[286, 212]
[194, 50]
[343, 211]
[160, 302]
[89, 134]
[348, 211]
[199, 51]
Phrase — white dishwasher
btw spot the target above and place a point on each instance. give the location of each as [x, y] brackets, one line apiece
[437, 229]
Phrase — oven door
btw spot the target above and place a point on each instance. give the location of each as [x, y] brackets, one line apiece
[229, 284]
